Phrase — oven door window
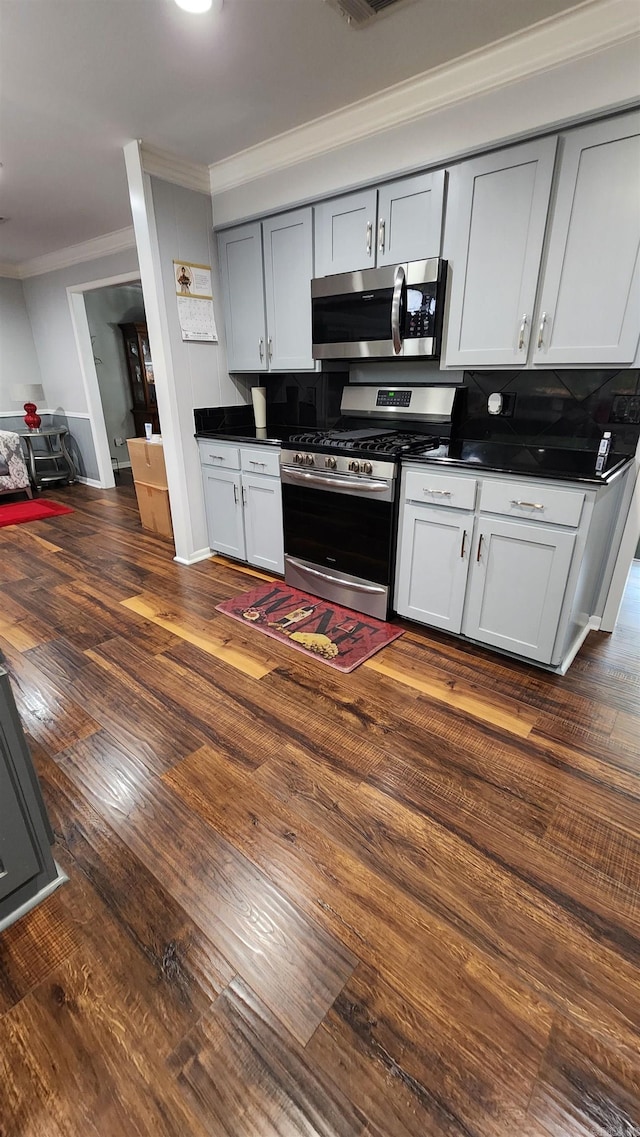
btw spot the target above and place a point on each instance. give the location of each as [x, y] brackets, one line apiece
[358, 317]
[339, 532]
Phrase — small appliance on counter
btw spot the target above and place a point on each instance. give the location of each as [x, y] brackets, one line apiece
[339, 491]
[380, 313]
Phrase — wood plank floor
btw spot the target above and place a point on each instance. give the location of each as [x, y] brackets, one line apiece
[403, 902]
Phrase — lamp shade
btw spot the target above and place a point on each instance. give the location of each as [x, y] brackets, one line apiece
[28, 393]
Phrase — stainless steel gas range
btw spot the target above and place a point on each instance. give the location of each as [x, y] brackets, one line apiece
[339, 491]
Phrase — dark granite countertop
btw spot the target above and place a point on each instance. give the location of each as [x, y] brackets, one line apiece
[267, 436]
[564, 464]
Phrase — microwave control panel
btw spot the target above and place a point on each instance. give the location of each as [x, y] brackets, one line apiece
[421, 311]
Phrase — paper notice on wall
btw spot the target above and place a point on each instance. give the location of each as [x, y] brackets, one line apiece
[194, 297]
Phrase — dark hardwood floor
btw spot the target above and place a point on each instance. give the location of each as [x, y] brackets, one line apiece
[398, 903]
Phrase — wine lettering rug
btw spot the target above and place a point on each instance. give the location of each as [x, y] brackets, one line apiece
[338, 636]
[19, 512]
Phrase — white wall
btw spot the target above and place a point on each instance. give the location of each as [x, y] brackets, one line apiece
[18, 359]
[50, 317]
[106, 309]
[572, 91]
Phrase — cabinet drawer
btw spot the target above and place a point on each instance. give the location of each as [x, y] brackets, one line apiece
[264, 460]
[440, 489]
[532, 502]
[219, 454]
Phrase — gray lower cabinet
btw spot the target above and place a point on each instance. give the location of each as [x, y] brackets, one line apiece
[432, 572]
[223, 503]
[517, 586]
[27, 868]
[517, 564]
[243, 501]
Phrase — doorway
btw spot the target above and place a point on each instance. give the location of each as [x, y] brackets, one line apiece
[102, 312]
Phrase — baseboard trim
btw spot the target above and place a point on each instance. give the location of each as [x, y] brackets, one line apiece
[60, 878]
[592, 625]
[199, 555]
[93, 482]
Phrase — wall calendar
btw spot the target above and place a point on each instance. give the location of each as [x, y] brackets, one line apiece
[194, 297]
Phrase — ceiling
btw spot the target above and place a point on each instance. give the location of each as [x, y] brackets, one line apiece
[82, 77]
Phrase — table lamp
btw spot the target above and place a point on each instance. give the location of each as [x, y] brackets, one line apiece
[29, 394]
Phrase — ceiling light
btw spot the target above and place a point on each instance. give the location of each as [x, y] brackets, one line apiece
[199, 6]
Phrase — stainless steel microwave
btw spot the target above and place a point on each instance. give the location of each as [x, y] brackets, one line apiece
[380, 313]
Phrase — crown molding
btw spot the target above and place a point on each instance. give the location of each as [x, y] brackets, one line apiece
[162, 164]
[10, 272]
[582, 31]
[75, 254]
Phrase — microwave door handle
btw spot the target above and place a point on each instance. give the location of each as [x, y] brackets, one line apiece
[396, 305]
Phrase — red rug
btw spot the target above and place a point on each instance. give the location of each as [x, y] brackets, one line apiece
[338, 636]
[19, 512]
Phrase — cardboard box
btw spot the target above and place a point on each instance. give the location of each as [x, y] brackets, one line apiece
[153, 503]
[147, 462]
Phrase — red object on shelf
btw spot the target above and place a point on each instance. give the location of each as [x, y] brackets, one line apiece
[19, 512]
[32, 418]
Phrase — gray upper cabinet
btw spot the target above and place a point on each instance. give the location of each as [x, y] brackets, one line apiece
[345, 233]
[240, 259]
[589, 309]
[266, 270]
[496, 218]
[398, 222]
[288, 269]
[410, 219]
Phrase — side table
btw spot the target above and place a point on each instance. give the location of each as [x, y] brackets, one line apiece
[52, 464]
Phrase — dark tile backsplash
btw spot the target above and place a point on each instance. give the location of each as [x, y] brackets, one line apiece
[555, 408]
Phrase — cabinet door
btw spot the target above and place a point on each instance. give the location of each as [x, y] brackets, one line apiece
[263, 521]
[223, 502]
[410, 219]
[433, 565]
[345, 231]
[288, 269]
[496, 220]
[240, 256]
[517, 586]
[589, 310]
[18, 859]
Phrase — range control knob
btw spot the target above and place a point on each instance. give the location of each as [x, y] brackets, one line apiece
[309, 460]
[330, 463]
[367, 468]
[298, 459]
[354, 466]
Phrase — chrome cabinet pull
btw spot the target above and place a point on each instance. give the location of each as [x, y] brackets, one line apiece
[235, 493]
[381, 228]
[528, 504]
[541, 330]
[436, 493]
[369, 237]
[244, 496]
[270, 347]
[464, 540]
[261, 349]
[216, 457]
[523, 327]
[479, 547]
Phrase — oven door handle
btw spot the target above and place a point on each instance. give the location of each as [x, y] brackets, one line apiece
[344, 483]
[398, 285]
[350, 584]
